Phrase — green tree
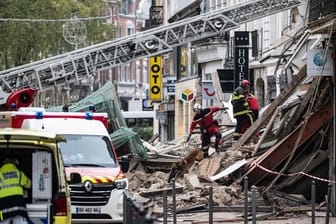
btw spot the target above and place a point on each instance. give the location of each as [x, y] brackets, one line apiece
[26, 36]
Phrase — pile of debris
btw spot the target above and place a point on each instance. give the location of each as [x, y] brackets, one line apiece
[282, 162]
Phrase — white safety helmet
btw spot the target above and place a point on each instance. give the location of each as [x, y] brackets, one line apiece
[197, 107]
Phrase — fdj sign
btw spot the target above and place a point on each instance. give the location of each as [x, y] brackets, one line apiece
[155, 78]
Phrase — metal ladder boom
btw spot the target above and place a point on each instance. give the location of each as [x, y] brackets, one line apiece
[83, 63]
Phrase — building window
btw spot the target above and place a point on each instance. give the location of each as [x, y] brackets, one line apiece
[213, 5]
[119, 73]
[123, 7]
[130, 28]
[126, 73]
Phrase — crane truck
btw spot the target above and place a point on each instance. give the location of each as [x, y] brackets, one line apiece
[81, 64]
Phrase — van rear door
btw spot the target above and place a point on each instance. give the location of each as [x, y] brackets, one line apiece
[40, 159]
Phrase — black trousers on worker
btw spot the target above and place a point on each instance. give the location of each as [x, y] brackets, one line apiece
[243, 122]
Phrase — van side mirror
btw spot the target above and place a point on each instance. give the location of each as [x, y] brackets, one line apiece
[124, 163]
[75, 178]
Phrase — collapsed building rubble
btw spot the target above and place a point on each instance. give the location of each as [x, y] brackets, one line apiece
[292, 152]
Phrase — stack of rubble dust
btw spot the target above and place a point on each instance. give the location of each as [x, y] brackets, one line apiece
[224, 170]
[192, 188]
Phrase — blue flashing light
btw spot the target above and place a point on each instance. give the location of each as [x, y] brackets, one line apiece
[39, 115]
[13, 106]
[88, 115]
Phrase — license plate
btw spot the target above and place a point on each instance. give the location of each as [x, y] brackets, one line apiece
[87, 210]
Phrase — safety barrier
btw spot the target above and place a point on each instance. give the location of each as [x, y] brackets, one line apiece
[250, 207]
[136, 214]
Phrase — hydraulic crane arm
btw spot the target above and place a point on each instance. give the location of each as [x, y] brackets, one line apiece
[83, 63]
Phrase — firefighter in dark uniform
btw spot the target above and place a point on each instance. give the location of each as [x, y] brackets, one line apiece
[12, 203]
[241, 110]
[209, 127]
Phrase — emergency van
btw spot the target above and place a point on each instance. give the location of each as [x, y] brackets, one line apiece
[38, 156]
[89, 151]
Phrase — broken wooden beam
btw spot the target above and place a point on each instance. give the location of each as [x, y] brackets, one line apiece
[278, 153]
[236, 208]
[157, 192]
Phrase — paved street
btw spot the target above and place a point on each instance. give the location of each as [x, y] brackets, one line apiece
[203, 218]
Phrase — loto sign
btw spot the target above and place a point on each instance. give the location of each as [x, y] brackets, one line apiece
[155, 78]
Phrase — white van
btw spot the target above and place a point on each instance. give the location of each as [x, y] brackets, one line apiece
[88, 150]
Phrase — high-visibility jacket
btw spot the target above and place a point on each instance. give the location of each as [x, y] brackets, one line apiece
[12, 181]
[239, 102]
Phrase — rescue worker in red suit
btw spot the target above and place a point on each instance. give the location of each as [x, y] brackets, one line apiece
[208, 126]
[253, 104]
[241, 109]
[12, 203]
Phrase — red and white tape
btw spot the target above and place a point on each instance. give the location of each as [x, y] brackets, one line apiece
[295, 174]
